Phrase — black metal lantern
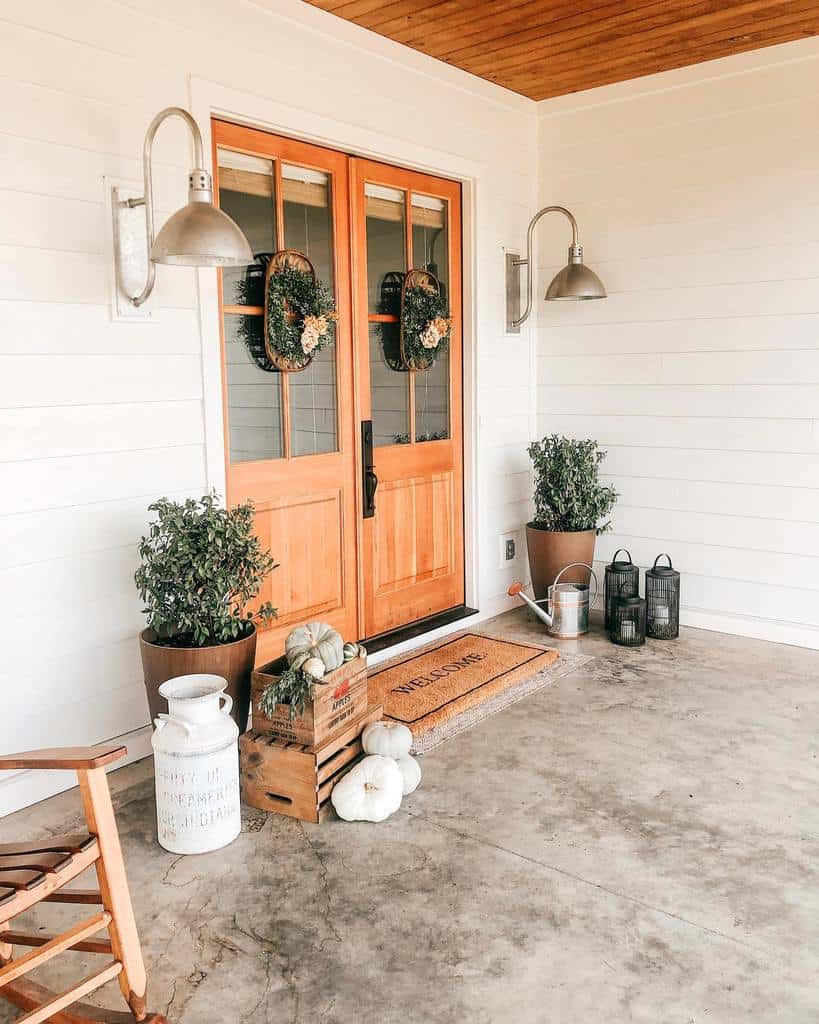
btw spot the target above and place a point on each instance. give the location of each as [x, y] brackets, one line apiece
[628, 621]
[663, 600]
[622, 579]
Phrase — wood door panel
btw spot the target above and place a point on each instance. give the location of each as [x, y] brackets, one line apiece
[307, 533]
[305, 503]
[413, 535]
[412, 556]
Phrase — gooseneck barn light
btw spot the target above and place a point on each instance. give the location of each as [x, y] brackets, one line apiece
[198, 235]
[575, 281]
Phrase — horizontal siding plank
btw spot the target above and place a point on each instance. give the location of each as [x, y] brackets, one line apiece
[682, 464]
[40, 275]
[59, 431]
[33, 537]
[50, 328]
[82, 479]
[708, 433]
[744, 401]
[764, 298]
[37, 380]
[717, 498]
[715, 334]
[756, 538]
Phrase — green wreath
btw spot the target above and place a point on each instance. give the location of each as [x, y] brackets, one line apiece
[425, 322]
[299, 310]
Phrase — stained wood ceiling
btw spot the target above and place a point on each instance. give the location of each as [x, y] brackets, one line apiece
[544, 48]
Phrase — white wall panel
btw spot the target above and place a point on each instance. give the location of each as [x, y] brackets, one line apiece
[696, 195]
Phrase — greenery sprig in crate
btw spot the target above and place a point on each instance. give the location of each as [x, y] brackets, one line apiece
[317, 687]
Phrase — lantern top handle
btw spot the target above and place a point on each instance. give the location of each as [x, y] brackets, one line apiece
[617, 552]
[663, 555]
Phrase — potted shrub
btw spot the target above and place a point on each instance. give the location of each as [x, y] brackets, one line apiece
[571, 506]
[202, 565]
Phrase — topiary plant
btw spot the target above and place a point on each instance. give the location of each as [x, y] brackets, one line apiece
[568, 494]
[202, 564]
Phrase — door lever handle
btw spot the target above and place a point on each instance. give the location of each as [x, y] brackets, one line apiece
[370, 487]
[368, 478]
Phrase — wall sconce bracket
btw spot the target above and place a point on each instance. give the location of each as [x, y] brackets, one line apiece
[513, 265]
[130, 252]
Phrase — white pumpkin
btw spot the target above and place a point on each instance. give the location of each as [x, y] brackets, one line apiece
[370, 791]
[316, 640]
[391, 739]
[314, 667]
[410, 773]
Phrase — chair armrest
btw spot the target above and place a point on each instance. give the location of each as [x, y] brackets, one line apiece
[64, 758]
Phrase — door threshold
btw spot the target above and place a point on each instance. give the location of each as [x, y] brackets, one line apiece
[418, 628]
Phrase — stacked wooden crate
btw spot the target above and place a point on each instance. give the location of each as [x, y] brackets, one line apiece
[290, 765]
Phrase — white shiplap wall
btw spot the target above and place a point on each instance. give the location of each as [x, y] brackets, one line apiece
[98, 417]
[697, 193]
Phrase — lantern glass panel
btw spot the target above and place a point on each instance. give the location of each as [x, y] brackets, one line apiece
[628, 622]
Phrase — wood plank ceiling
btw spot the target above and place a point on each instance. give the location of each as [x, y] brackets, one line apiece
[544, 48]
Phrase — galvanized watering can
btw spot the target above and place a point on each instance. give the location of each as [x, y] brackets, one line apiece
[566, 611]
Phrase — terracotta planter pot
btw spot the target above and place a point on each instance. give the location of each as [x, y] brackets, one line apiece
[551, 551]
[233, 662]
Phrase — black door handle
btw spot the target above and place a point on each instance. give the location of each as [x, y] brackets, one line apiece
[369, 479]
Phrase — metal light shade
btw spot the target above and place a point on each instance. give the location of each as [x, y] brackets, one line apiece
[575, 281]
[201, 235]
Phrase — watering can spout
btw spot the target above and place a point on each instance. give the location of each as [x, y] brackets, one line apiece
[516, 590]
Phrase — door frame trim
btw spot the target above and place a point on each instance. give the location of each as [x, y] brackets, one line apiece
[211, 100]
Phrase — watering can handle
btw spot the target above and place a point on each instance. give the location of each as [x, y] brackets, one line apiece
[585, 565]
[227, 706]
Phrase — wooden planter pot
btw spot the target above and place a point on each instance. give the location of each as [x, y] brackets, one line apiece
[338, 699]
[550, 551]
[233, 662]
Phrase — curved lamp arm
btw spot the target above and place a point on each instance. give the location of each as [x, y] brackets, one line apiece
[148, 199]
[528, 261]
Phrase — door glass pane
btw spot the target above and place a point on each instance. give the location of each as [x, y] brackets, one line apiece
[308, 228]
[389, 392]
[386, 267]
[430, 237]
[253, 393]
[430, 251]
[246, 194]
[432, 401]
[386, 247]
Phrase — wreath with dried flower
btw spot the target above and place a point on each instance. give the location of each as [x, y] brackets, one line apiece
[299, 310]
[426, 325]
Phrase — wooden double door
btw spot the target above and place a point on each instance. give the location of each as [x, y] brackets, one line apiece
[355, 464]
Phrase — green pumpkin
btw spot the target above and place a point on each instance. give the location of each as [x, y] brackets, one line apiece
[352, 651]
[315, 640]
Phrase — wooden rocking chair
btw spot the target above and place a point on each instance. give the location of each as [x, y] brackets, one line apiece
[37, 871]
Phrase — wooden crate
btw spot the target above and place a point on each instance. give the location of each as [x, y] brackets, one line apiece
[294, 779]
[336, 701]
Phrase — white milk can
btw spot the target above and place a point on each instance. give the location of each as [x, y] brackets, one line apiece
[196, 766]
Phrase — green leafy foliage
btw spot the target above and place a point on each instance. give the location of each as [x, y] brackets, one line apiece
[293, 687]
[202, 564]
[294, 296]
[423, 306]
[568, 492]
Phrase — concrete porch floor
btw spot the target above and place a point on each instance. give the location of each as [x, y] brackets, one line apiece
[638, 841]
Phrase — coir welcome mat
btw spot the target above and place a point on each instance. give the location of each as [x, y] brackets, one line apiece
[443, 689]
